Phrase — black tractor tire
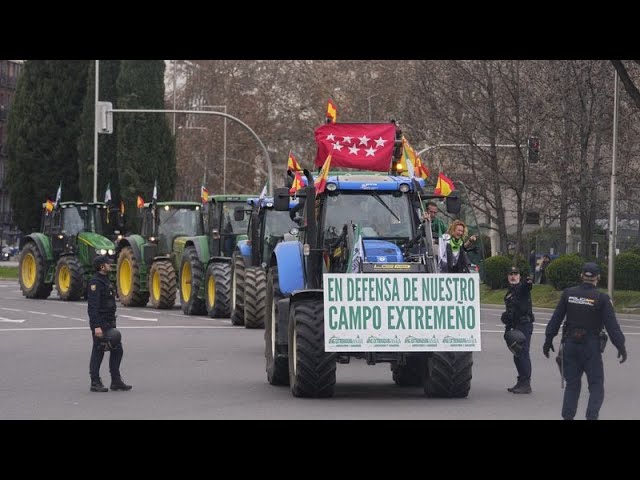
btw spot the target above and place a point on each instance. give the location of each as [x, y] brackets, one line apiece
[412, 373]
[69, 278]
[217, 288]
[191, 271]
[312, 371]
[33, 270]
[237, 289]
[162, 295]
[255, 294]
[277, 363]
[448, 374]
[134, 297]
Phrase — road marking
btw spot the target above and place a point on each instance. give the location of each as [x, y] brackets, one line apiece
[43, 329]
[139, 318]
[2, 319]
[37, 313]
[11, 309]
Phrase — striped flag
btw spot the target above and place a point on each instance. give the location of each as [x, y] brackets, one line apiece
[140, 202]
[292, 163]
[204, 194]
[297, 184]
[444, 185]
[332, 112]
[321, 181]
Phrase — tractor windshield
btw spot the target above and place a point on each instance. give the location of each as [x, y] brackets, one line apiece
[276, 224]
[81, 218]
[180, 221]
[379, 214]
[229, 224]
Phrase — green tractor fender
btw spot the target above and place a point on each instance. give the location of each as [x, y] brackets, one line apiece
[202, 247]
[43, 243]
[135, 242]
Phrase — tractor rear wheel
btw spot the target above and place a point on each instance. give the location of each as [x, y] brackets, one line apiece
[312, 371]
[162, 285]
[33, 270]
[191, 278]
[237, 289]
[218, 283]
[448, 374]
[255, 294]
[69, 278]
[128, 280]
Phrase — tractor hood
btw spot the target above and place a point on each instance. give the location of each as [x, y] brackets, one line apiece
[96, 241]
[381, 251]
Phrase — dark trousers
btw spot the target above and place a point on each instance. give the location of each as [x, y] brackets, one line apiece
[97, 354]
[523, 359]
[582, 358]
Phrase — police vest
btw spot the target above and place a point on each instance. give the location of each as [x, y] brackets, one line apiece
[583, 309]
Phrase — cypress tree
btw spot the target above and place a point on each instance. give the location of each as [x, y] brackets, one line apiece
[42, 136]
[146, 147]
[107, 165]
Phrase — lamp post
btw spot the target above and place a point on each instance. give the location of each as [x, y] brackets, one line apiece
[369, 101]
[224, 147]
[612, 208]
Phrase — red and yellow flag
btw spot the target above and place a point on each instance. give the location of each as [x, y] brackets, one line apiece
[410, 158]
[204, 194]
[321, 181]
[49, 206]
[140, 202]
[297, 183]
[444, 185]
[332, 112]
[292, 163]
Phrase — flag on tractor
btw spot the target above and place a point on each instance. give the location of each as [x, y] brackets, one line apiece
[107, 194]
[357, 252]
[321, 180]
[140, 202]
[444, 185]
[49, 206]
[58, 195]
[364, 146]
[263, 193]
[122, 207]
[297, 184]
[332, 112]
[292, 163]
[204, 194]
[415, 168]
[154, 196]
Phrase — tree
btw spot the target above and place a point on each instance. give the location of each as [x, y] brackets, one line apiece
[145, 146]
[107, 164]
[44, 125]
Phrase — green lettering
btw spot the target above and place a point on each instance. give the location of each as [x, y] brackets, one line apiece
[463, 290]
[343, 324]
[414, 289]
[333, 310]
[377, 318]
[428, 318]
[407, 289]
[472, 289]
[349, 289]
[439, 319]
[355, 322]
[471, 317]
[450, 317]
[448, 286]
[395, 294]
[460, 318]
[419, 318]
[400, 323]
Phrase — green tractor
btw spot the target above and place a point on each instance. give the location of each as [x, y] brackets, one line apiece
[71, 236]
[148, 263]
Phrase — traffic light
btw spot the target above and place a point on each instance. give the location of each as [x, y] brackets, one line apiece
[533, 149]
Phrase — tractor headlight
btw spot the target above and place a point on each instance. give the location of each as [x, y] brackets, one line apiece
[404, 187]
[332, 187]
[101, 251]
[111, 251]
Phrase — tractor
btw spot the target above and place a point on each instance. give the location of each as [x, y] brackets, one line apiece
[248, 285]
[384, 210]
[148, 263]
[72, 235]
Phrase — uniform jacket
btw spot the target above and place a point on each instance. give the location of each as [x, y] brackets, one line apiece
[101, 302]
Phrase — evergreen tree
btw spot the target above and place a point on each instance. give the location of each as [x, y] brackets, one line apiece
[107, 165]
[42, 136]
[146, 147]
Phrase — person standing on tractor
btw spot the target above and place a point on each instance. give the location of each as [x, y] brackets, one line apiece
[453, 248]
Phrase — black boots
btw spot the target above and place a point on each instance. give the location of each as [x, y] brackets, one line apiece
[97, 386]
[118, 384]
[520, 387]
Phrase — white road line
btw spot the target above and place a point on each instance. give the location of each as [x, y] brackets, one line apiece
[11, 309]
[57, 316]
[2, 319]
[204, 327]
[139, 318]
[37, 313]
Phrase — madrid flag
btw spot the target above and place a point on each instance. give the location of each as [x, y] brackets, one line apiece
[365, 146]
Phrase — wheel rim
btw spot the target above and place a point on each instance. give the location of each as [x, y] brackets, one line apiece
[155, 285]
[28, 270]
[125, 273]
[211, 291]
[185, 282]
[64, 278]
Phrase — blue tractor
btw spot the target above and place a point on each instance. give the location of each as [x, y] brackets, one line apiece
[386, 210]
[266, 228]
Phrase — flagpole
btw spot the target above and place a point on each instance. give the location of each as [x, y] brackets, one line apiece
[95, 136]
[612, 208]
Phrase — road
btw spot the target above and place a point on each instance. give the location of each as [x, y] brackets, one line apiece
[200, 368]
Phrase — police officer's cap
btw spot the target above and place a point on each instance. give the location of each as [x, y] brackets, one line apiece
[101, 260]
[513, 270]
[590, 270]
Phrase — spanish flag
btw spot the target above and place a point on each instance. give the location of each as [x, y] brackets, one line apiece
[292, 163]
[49, 206]
[140, 202]
[410, 158]
[444, 186]
[204, 194]
[332, 112]
[297, 183]
[321, 181]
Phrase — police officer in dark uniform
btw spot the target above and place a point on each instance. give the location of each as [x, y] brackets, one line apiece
[102, 318]
[587, 311]
[519, 316]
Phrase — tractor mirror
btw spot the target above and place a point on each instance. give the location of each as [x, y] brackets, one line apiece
[238, 214]
[281, 199]
[215, 234]
[453, 204]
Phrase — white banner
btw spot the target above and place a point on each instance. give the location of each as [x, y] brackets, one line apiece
[401, 312]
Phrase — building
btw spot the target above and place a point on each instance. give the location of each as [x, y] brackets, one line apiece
[10, 71]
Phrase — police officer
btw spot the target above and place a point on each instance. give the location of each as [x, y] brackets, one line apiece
[102, 317]
[519, 316]
[587, 311]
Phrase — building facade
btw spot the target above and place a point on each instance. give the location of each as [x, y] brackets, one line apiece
[10, 71]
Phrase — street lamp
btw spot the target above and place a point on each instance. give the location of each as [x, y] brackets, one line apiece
[612, 208]
[224, 146]
[369, 101]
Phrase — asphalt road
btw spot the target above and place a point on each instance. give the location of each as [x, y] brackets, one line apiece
[200, 368]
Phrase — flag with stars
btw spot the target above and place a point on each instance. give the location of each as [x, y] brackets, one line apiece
[365, 146]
